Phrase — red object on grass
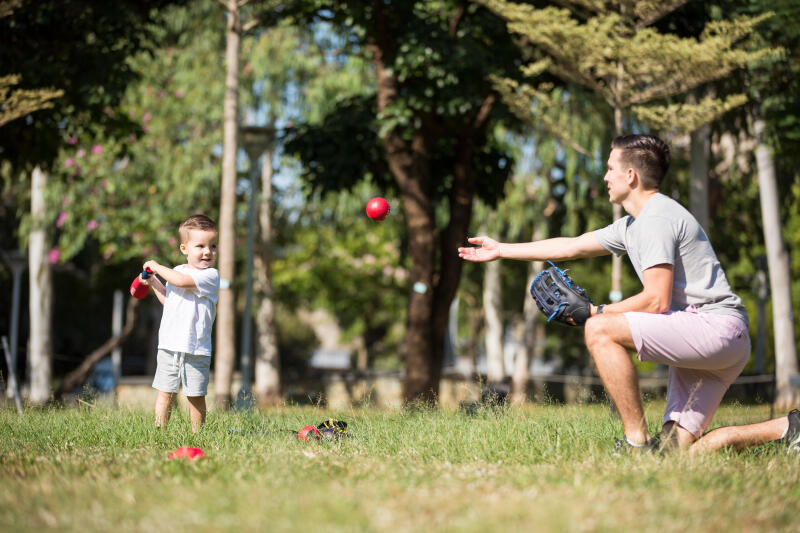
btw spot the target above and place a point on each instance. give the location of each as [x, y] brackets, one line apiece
[138, 289]
[378, 208]
[307, 432]
[187, 452]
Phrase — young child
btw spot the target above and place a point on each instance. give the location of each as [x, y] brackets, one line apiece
[190, 305]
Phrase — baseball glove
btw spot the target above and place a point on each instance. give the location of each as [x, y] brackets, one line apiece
[560, 298]
[333, 429]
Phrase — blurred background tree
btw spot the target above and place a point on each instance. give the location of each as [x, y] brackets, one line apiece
[425, 132]
[87, 61]
[366, 99]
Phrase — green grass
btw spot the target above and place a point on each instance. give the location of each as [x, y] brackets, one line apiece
[539, 468]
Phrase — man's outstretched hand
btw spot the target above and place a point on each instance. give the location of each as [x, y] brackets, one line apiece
[488, 250]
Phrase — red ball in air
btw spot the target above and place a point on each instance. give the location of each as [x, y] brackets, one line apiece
[378, 208]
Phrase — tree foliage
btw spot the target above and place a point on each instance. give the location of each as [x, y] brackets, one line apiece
[772, 84]
[617, 53]
[133, 144]
[86, 58]
[16, 103]
[334, 257]
[440, 55]
[129, 194]
[433, 110]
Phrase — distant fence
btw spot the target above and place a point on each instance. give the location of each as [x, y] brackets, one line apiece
[346, 389]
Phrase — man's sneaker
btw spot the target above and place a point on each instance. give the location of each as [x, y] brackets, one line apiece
[792, 438]
[622, 446]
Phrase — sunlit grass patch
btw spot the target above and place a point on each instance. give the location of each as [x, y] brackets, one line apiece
[542, 468]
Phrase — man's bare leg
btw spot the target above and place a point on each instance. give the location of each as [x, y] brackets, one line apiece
[740, 437]
[197, 411]
[608, 338]
[164, 402]
[674, 436]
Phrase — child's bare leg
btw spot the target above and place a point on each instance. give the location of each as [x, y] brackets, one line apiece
[197, 411]
[164, 402]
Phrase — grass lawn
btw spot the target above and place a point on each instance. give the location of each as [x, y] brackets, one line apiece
[538, 468]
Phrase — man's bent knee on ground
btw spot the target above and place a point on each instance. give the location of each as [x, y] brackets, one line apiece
[705, 353]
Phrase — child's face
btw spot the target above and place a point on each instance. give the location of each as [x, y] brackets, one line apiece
[200, 248]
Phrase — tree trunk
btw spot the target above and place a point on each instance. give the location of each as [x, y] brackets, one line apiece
[493, 312]
[431, 290]
[410, 167]
[700, 146]
[362, 355]
[422, 374]
[267, 367]
[521, 374]
[226, 312]
[461, 199]
[40, 350]
[779, 274]
[529, 347]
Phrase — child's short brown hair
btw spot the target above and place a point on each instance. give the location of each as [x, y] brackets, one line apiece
[195, 222]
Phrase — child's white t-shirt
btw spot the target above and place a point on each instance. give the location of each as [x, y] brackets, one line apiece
[189, 313]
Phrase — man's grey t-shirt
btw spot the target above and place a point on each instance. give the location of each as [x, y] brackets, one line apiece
[666, 233]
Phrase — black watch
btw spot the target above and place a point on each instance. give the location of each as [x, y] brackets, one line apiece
[600, 309]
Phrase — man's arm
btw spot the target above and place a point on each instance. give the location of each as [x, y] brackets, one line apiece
[556, 249]
[655, 297]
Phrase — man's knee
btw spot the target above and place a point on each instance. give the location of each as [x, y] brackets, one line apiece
[674, 436]
[600, 330]
[595, 331]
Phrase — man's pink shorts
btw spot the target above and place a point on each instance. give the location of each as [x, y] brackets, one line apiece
[705, 353]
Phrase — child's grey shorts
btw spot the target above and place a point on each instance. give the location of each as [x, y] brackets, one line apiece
[178, 369]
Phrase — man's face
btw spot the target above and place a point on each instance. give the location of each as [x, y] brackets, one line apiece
[200, 248]
[616, 177]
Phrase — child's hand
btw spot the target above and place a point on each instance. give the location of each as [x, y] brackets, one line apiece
[152, 265]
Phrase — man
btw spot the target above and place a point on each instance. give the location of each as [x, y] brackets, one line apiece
[686, 315]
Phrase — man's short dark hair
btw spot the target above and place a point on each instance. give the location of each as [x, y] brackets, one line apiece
[648, 154]
[196, 222]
